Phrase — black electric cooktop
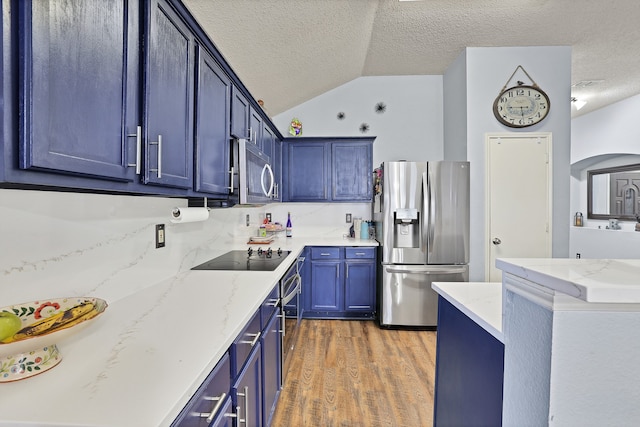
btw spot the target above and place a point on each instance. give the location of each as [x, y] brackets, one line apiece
[249, 260]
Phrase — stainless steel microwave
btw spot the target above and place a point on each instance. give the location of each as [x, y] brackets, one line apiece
[255, 182]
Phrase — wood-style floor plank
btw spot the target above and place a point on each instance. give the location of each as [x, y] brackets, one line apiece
[349, 373]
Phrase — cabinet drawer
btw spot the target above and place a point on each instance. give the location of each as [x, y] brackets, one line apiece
[269, 306]
[360, 252]
[244, 343]
[212, 396]
[325, 253]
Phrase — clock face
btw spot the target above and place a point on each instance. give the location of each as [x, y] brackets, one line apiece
[521, 106]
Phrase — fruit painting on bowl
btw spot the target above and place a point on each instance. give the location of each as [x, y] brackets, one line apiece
[30, 331]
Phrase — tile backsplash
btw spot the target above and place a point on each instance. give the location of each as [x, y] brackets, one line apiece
[56, 244]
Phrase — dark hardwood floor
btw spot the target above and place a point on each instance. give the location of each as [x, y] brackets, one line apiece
[352, 373]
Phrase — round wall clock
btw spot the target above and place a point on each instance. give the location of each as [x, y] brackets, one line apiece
[521, 106]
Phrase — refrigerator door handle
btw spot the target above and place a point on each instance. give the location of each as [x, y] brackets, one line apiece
[431, 270]
[428, 208]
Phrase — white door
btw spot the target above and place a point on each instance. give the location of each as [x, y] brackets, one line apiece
[518, 198]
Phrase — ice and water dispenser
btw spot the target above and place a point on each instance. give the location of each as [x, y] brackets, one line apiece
[406, 233]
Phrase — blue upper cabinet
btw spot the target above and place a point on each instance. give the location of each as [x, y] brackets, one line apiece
[328, 169]
[168, 98]
[213, 92]
[78, 87]
[307, 168]
[351, 171]
[239, 115]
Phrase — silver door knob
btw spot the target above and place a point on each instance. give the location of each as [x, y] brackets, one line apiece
[496, 241]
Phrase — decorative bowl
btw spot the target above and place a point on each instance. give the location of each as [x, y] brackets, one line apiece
[33, 350]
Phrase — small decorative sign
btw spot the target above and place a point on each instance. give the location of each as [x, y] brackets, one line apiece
[295, 128]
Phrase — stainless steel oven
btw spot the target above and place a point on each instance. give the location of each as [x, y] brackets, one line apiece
[291, 291]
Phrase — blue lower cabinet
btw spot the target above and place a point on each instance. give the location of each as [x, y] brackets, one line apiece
[247, 390]
[342, 283]
[271, 367]
[212, 402]
[469, 371]
[359, 286]
[326, 289]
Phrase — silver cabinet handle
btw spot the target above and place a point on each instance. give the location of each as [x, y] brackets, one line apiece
[282, 322]
[347, 272]
[338, 270]
[496, 241]
[253, 342]
[231, 180]
[272, 302]
[324, 254]
[360, 254]
[209, 416]
[245, 395]
[138, 136]
[159, 144]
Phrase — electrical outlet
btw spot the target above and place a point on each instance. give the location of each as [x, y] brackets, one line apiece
[268, 216]
[160, 236]
[348, 218]
[578, 255]
[248, 219]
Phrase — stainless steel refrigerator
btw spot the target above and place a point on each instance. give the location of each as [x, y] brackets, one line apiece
[421, 220]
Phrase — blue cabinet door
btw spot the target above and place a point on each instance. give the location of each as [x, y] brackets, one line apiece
[351, 171]
[239, 115]
[212, 400]
[326, 286]
[247, 391]
[469, 371]
[168, 98]
[212, 138]
[271, 366]
[79, 87]
[308, 172]
[255, 127]
[276, 162]
[359, 290]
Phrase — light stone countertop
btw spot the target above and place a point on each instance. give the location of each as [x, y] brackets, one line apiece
[592, 280]
[139, 363]
[480, 301]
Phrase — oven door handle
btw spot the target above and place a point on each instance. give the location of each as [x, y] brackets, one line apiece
[291, 295]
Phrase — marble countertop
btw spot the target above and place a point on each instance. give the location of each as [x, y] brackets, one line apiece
[480, 301]
[139, 363]
[591, 280]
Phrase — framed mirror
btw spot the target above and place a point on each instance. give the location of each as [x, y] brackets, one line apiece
[614, 193]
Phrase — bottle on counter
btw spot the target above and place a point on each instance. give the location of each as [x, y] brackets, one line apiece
[288, 226]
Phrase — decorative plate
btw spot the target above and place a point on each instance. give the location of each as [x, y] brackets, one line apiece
[32, 349]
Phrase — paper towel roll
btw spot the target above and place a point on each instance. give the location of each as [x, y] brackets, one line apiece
[179, 215]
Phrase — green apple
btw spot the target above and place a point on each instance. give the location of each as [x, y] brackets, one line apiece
[9, 324]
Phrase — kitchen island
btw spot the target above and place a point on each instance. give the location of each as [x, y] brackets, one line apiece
[140, 362]
[569, 329]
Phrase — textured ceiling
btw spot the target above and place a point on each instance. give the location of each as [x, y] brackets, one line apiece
[289, 51]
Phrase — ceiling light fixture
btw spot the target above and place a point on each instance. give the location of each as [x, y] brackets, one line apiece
[578, 103]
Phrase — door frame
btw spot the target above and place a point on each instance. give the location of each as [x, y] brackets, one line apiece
[487, 197]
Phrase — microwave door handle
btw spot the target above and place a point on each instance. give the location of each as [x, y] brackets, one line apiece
[264, 190]
[273, 180]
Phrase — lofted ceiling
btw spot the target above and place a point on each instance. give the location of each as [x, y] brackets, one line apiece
[289, 51]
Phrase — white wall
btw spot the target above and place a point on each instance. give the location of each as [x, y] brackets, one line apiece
[409, 129]
[612, 129]
[605, 137]
[56, 244]
[486, 71]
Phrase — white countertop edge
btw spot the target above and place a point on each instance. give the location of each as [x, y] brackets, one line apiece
[613, 281]
[480, 301]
